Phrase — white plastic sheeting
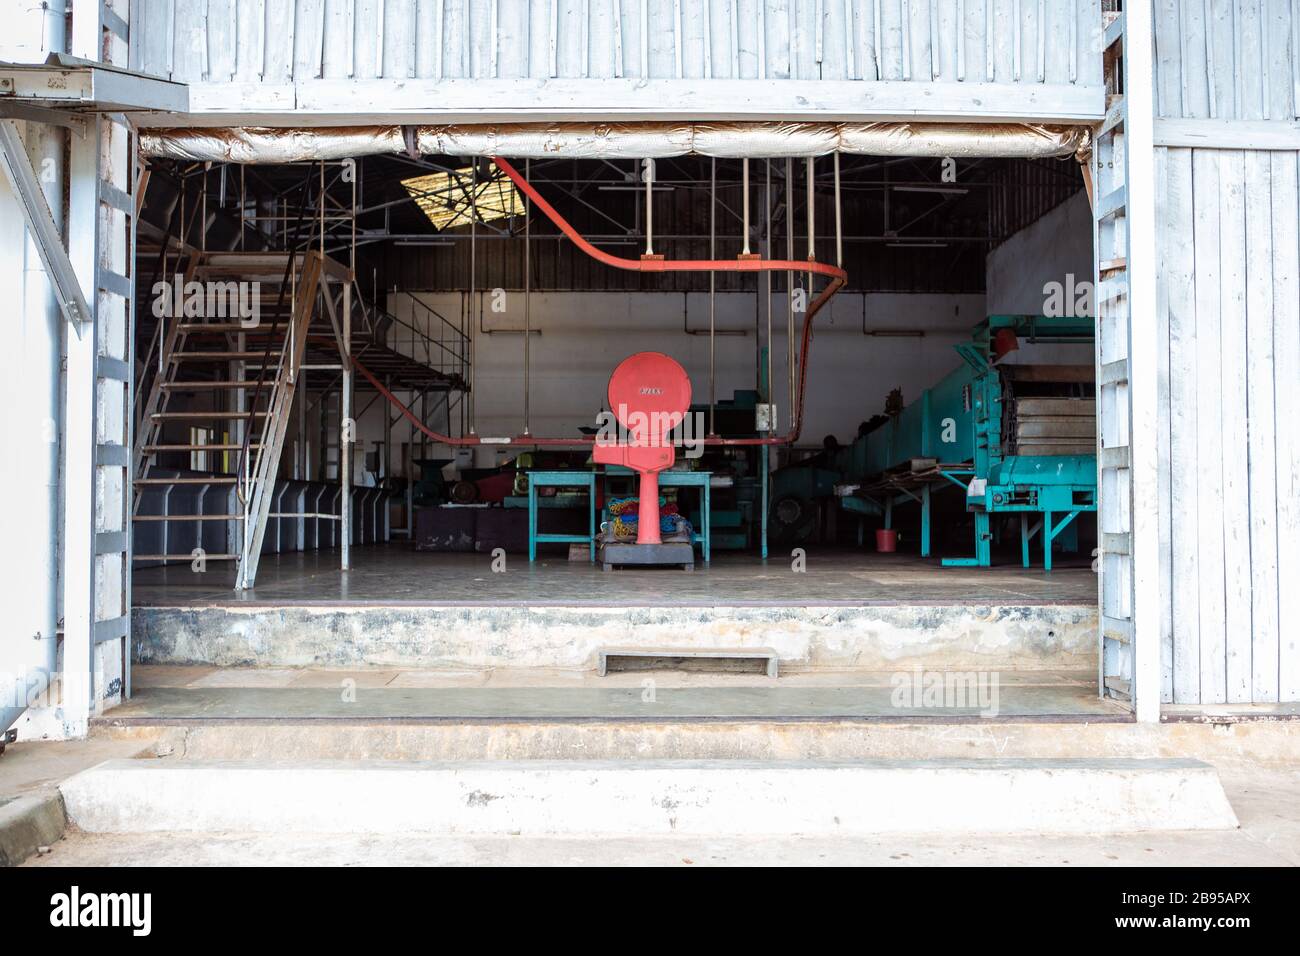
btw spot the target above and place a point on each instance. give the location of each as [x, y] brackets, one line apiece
[618, 141]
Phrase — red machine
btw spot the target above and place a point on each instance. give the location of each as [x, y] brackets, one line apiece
[649, 394]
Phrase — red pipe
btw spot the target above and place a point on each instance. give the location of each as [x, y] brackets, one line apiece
[664, 265]
[838, 277]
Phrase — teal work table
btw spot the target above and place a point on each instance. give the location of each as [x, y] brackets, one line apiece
[571, 478]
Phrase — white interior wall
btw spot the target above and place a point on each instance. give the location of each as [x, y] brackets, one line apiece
[583, 336]
[1056, 248]
[1051, 249]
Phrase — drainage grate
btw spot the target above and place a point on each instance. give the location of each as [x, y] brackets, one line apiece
[711, 660]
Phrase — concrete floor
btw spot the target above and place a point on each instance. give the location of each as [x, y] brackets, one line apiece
[1258, 762]
[37, 765]
[1267, 802]
[174, 693]
[395, 575]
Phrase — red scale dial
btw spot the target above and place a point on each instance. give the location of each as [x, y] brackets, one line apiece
[649, 394]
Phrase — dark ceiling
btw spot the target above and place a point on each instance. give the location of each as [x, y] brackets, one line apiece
[906, 227]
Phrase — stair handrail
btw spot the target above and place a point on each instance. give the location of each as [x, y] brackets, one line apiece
[243, 471]
[156, 342]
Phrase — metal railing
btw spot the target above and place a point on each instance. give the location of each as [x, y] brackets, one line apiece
[428, 338]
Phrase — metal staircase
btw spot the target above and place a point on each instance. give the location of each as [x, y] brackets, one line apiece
[220, 391]
[215, 394]
[245, 372]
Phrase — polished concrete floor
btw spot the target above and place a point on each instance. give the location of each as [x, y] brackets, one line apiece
[396, 575]
[163, 693]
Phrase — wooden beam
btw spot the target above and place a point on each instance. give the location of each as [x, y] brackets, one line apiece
[1228, 134]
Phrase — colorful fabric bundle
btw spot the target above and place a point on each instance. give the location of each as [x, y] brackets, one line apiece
[625, 526]
[632, 506]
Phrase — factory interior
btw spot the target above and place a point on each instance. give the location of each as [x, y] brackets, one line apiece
[858, 383]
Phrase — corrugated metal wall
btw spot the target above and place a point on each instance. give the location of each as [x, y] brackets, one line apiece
[1229, 311]
[278, 41]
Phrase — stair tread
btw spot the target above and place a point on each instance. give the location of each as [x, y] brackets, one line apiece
[224, 383]
[215, 356]
[200, 416]
[234, 517]
[198, 447]
[216, 480]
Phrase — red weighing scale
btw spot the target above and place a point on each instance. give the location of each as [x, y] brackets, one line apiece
[649, 394]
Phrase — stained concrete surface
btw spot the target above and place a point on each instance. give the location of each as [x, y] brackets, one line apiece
[30, 766]
[1263, 743]
[1267, 803]
[163, 693]
[396, 575]
[937, 636]
[1258, 762]
[31, 808]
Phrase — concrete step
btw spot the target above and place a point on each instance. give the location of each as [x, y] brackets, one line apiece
[29, 821]
[560, 631]
[647, 797]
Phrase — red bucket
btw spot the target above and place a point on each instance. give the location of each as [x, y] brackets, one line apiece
[886, 540]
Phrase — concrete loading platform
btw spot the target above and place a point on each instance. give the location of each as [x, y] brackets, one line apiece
[168, 695]
[404, 611]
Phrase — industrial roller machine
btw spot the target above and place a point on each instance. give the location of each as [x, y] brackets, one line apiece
[1015, 438]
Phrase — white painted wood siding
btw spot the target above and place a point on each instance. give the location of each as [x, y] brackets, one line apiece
[1230, 424]
[1227, 59]
[261, 45]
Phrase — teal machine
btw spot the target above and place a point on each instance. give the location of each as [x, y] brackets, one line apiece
[736, 509]
[1015, 438]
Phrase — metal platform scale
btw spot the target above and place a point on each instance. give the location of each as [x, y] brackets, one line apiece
[649, 394]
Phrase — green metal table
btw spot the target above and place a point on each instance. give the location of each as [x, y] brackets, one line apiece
[561, 479]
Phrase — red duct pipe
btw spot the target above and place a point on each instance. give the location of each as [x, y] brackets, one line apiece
[838, 277]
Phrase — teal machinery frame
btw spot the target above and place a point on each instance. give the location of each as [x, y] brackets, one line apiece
[955, 431]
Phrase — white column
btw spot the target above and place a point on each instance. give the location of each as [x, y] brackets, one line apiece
[1139, 125]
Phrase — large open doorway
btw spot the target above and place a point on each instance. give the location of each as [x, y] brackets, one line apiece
[934, 516]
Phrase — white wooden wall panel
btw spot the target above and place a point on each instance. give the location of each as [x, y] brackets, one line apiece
[1228, 59]
[222, 36]
[250, 24]
[1231, 414]
[280, 33]
[190, 45]
[308, 38]
[1285, 168]
[1261, 423]
[1029, 41]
